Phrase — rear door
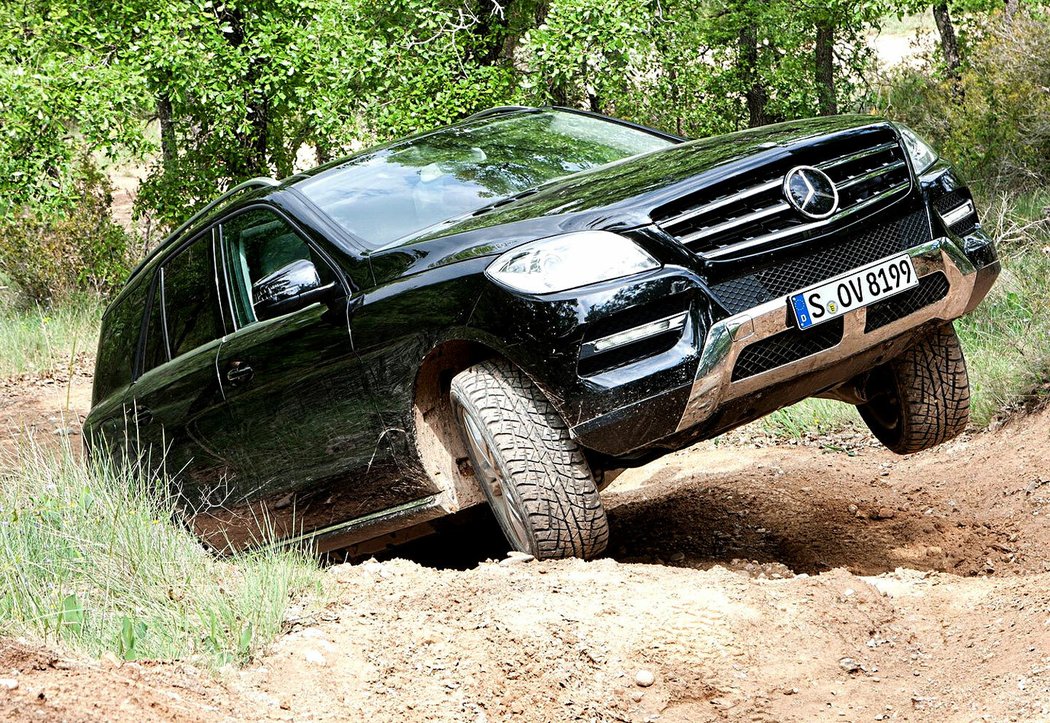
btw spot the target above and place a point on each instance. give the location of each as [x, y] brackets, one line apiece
[303, 426]
[175, 409]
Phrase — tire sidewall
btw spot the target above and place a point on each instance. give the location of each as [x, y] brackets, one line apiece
[461, 407]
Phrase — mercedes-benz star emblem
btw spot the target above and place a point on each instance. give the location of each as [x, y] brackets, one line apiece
[811, 192]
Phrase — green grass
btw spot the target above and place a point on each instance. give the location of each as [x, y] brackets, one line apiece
[41, 340]
[91, 560]
[810, 416]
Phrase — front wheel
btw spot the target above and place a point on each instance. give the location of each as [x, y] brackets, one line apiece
[921, 398]
[535, 476]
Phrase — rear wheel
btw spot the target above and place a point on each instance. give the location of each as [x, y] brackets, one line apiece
[534, 475]
[921, 398]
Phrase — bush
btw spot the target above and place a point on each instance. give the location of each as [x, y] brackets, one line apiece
[994, 122]
[51, 256]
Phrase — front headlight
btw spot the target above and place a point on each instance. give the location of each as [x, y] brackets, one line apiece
[922, 155]
[564, 262]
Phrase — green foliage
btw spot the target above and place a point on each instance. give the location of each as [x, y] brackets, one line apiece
[683, 66]
[243, 88]
[993, 122]
[52, 255]
[60, 93]
[91, 558]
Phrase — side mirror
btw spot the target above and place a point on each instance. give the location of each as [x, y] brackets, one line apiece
[288, 289]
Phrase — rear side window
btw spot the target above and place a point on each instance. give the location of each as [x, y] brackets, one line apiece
[191, 305]
[118, 341]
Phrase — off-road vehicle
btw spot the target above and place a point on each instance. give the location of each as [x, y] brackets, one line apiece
[509, 309]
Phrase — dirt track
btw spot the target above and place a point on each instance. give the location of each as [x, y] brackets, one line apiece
[776, 582]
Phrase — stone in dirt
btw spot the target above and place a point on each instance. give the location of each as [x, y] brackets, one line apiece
[644, 678]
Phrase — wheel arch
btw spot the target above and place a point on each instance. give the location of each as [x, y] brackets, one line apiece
[439, 444]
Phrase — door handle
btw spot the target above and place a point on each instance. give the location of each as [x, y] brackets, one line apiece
[239, 373]
[143, 416]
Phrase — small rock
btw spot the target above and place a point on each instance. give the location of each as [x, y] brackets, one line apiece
[8, 683]
[677, 557]
[637, 695]
[790, 691]
[516, 558]
[313, 657]
[644, 678]
[849, 665]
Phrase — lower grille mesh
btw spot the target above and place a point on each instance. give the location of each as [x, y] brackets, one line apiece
[931, 289]
[786, 347]
[746, 292]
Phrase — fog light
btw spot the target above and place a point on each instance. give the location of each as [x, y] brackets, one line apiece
[653, 328]
[958, 213]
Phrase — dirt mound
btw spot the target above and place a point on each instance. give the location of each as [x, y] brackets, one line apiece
[573, 640]
[826, 580]
[788, 582]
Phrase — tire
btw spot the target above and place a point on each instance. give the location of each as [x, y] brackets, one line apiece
[536, 478]
[922, 398]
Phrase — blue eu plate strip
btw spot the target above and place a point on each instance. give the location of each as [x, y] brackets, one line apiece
[801, 311]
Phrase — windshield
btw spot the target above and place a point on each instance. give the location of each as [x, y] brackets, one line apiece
[393, 192]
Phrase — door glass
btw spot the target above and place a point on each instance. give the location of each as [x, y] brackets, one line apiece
[190, 299]
[256, 244]
[155, 350]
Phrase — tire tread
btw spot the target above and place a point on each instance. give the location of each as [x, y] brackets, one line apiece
[547, 467]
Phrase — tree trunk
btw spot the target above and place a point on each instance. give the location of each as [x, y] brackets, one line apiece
[252, 154]
[168, 143]
[949, 43]
[755, 92]
[824, 60]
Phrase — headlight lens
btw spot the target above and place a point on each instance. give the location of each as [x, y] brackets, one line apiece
[566, 262]
[922, 156]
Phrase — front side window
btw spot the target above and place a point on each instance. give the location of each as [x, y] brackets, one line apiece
[191, 302]
[255, 245]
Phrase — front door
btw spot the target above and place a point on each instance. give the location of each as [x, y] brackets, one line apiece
[305, 424]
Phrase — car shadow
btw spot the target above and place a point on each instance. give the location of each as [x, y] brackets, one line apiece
[805, 527]
[708, 520]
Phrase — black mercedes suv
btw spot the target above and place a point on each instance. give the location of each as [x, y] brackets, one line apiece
[510, 309]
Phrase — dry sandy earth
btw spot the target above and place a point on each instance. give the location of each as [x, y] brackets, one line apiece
[752, 581]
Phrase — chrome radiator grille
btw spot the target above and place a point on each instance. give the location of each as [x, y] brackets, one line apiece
[738, 214]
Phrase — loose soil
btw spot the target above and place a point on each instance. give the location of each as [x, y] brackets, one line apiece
[746, 579]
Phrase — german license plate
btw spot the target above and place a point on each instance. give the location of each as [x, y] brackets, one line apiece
[852, 290]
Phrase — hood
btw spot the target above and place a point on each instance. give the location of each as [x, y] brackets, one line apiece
[616, 197]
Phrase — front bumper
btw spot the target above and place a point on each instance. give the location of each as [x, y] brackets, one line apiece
[714, 385]
[717, 401]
